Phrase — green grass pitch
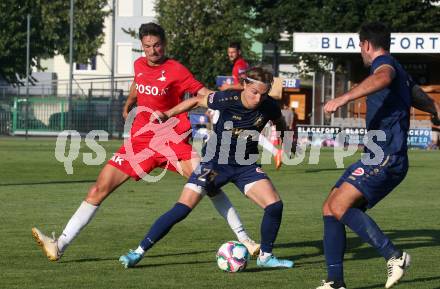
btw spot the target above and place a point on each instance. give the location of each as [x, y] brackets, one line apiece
[36, 191]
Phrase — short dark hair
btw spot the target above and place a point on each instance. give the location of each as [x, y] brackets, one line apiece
[152, 29]
[377, 33]
[235, 45]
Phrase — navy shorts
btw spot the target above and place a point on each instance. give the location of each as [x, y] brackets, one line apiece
[209, 177]
[375, 182]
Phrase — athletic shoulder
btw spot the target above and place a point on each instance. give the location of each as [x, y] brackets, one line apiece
[383, 60]
[176, 64]
[221, 100]
[139, 60]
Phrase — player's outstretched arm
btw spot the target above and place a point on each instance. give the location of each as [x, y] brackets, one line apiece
[204, 92]
[381, 78]
[131, 100]
[201, 100]
[422, 101]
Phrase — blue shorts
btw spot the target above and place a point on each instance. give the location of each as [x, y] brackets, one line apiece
[209, 177]
[375, 182]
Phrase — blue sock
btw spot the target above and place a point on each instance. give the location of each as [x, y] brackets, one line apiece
[164, 224]
[368, 230]
[334, 248]
[270, 225]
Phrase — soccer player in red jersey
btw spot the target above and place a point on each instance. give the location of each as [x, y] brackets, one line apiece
[160, 84]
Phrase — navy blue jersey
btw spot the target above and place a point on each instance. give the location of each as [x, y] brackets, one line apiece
[389, 109]
[234, 123]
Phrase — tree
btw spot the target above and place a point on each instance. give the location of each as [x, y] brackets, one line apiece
[49, 32]
[199, 33]
[274, 17]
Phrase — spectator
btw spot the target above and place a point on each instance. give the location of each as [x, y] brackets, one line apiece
[288, 116]
[239, 67]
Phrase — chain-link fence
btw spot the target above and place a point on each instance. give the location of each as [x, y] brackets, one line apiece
[49, 116]
[47, 110]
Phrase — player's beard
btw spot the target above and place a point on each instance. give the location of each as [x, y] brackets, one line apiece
[365, 60]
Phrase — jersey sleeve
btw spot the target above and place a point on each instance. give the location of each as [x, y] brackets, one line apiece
[239, 68]
[219, 100]
[187, 82]
[274, 110]
[136, 68]
[381, 61]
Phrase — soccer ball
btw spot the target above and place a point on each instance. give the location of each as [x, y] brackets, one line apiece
[232, 257]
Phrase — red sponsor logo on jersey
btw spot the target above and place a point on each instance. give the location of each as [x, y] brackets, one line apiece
[358, 172]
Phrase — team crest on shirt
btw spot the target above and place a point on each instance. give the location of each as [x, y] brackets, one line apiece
[259, 121]
[358, 172]
[259, 170]
[162, 78]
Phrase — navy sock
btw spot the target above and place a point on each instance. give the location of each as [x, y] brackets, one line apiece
[270, 225]
[334, 248]
[164, 224]
[368, 230]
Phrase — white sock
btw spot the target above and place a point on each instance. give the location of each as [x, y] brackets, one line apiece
[267, 145]
[139, 250]
[264, 256]
[224, 207]
[77, 222]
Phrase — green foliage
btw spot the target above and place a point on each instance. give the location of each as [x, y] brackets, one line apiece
[274, 17]
[199, 33]
[49, 32]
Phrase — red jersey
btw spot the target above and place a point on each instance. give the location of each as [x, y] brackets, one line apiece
[240, 67]
[161, 88]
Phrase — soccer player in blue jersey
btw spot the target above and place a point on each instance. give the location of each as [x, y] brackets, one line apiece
[363, 185]
[230, 156]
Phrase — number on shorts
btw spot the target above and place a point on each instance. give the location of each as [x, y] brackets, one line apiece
[202, 177]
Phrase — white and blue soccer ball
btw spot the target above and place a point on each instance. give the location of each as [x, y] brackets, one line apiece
[232, 257]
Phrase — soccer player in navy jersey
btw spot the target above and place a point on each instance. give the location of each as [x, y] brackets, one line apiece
[159, 84]
[366, 182]
[230, 156]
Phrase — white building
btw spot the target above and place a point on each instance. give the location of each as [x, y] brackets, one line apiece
[96, 73]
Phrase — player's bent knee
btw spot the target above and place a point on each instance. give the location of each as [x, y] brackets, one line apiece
[196, 188]
[325, 209]
[336, 209]
[275, 209]
[191, 195]
[97, 194]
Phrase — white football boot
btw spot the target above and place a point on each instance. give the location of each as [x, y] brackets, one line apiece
[252, 247]
[329, 285]
[49, 245]
[396, 269]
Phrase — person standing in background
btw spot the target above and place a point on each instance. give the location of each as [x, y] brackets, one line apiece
[239, 67]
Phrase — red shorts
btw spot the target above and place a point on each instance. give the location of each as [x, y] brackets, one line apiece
[141, 159]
